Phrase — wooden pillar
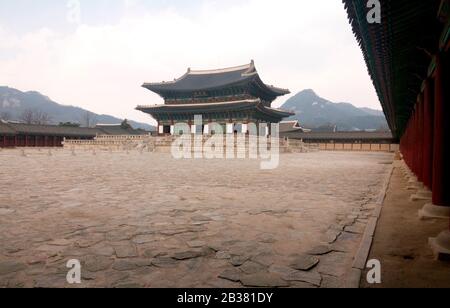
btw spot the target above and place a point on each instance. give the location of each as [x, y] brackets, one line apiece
[420, 142]
[441, 148]
[416, 137]
[417, 141]
[412, 141]
[402, 145]
[428, 113]
[407, 143]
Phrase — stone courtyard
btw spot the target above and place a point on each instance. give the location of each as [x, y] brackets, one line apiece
[147, 220]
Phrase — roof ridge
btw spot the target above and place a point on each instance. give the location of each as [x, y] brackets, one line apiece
[223, 70]
[250, 71]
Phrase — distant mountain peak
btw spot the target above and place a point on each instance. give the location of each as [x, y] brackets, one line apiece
[13, 104]
[34, 93]
[314, 111]
[309, 92]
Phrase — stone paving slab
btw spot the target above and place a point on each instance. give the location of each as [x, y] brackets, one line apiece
[147, 220]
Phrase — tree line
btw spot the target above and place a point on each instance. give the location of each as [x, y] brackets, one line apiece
[39, 117]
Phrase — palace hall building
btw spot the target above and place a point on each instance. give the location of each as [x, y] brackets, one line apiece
[231, 97]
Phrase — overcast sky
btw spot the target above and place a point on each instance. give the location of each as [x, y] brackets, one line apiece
[98, 59]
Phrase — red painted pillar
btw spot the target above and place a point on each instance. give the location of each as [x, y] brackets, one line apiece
[407, 157]
[417, 137]
[405, 139]
[410, 157]
[404, 145]
[410, 153]
[428, 113]
[409, 142]
[412, 140]
[441, 148]
[420, 142]
[413, 150]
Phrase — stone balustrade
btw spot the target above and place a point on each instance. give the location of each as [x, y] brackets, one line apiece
[122, 137]
[164, 144]
[359, 147]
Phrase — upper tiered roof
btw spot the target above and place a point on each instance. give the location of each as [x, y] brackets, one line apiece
[208, 80]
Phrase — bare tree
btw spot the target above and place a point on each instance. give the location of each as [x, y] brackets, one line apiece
[27, 116]
[42, 118]
[30, 116]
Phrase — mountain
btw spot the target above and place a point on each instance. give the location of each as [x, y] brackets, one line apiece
[15, 104]
[318, 113]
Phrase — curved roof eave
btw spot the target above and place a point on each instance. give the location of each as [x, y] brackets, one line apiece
[163, 90]
[193, 107]
[278, 112]
[219, 78]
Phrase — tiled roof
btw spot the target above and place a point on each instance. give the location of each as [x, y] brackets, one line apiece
[249, 104]
[5, 129]
[290, 126]
[214, 79]
[52, 130]
[11, 128]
